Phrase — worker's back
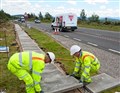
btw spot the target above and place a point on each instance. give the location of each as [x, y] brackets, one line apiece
[24, 59]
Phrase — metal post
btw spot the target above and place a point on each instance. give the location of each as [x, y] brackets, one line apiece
[6, 42]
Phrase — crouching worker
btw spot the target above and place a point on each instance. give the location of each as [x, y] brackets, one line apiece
[28, 66]
[86, 63]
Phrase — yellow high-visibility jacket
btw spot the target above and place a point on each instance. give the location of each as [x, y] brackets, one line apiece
[30, 61]
[85, 64]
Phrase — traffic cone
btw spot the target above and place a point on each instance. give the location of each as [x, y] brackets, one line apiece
[57, 31]
[54, 32]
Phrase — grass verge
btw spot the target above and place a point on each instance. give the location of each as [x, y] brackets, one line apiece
[8, 81]
[100, 26]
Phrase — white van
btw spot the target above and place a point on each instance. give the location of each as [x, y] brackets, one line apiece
[22, 19]
[67, 21]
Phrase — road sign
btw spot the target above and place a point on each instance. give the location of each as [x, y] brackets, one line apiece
[4, 49]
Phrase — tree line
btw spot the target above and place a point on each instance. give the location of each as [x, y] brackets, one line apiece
[94, 18]
[4, 17]
[46, 18]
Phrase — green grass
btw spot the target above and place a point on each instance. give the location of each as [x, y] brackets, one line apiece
[113, 90]
[100, 26]
[7, 80]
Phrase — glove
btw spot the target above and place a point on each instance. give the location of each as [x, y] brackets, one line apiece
[80, 81]
[73, 75]
[41, 91]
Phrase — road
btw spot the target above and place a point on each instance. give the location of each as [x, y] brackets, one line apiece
[106, 40]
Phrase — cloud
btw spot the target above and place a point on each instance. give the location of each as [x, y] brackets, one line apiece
[103, 7]
[20, 7]
[73, 2]
[0, 4]
[104, 13]
[96, 1]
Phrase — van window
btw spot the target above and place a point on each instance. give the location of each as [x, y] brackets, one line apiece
[53, 20]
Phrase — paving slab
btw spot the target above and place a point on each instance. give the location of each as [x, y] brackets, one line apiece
[25, 38]
[102, 82]
[31, 47]
[27, 44]
[53, 81]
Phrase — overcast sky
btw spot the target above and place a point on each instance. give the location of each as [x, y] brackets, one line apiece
[103, 8]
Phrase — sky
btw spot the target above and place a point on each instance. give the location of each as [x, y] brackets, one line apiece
[103, 8]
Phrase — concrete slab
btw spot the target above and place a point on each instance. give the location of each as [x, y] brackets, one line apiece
[27, 45]
[24, 41]
[24, 38]
[29, 42]
[37, 50]
[31, 48]
[102, 82]
[53, 81]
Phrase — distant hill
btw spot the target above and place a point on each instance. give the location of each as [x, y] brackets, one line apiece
[18, 15]
[111, 19]
[108, 18]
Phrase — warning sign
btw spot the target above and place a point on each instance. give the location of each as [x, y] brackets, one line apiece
[71, 17]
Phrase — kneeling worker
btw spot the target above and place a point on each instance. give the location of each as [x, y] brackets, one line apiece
[86, 63]
[28, 66]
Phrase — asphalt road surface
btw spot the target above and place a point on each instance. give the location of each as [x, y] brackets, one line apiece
[106, 40]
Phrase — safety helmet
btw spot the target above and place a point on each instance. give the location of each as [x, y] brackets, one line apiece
[74, 49]
[52, 56]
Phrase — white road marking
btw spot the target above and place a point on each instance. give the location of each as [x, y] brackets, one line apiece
[92, 44]
[100, 36]
[66, 36]
[114, 51]
[77, 39]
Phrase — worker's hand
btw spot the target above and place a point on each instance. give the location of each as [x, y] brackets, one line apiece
[80, 81]
[41, 91]
[73, 75]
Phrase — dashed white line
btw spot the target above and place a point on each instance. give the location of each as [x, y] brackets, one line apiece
[114, 51]
[66, 36]
[92, 44]
[77, 39]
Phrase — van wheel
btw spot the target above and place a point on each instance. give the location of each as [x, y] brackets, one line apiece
[60, 29]
[52, 27]
[73, 30]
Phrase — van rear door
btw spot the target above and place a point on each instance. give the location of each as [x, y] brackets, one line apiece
[71, 20]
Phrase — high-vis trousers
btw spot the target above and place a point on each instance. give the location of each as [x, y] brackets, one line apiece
[23, 75]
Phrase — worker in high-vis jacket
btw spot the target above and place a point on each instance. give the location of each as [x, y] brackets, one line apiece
[28, 66]
[86, 63]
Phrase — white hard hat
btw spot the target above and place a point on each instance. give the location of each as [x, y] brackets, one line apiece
[74, 49]
[52, 56]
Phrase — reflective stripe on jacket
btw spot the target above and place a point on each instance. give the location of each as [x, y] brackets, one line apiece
[85, 64]
[32, 62]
